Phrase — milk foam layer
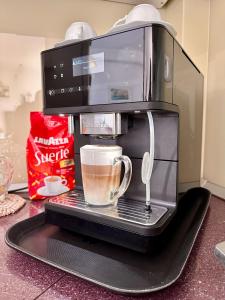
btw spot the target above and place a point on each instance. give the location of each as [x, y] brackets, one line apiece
[99, 154]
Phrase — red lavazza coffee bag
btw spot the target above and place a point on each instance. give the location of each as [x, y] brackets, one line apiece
[50, 156]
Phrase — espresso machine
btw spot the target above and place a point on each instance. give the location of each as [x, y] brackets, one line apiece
[137, 89]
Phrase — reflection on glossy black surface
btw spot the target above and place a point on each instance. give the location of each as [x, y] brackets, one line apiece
[101, 71]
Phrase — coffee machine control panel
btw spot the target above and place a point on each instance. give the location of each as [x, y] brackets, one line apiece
[104, 70]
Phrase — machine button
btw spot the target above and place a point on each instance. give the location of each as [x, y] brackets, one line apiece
[51, 92]
[55, 76]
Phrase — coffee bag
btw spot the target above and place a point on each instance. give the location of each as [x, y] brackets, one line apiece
[50, 156]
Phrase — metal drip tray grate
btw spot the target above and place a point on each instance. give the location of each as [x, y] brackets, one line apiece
[129, 210]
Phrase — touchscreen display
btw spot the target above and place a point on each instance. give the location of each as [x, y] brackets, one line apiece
[88, 64]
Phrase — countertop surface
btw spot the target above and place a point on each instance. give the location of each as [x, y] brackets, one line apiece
[22, 277]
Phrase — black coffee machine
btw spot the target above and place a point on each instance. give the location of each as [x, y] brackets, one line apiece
[111, 86]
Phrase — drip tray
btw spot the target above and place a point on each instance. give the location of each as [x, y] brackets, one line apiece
[127, 210]
[111, 266]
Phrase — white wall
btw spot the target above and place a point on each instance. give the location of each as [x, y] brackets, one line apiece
[50, 18]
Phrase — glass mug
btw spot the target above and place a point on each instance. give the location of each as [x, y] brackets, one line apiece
[101, 170]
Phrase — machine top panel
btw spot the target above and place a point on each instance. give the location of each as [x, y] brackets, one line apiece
[122, 71]
[102, 71]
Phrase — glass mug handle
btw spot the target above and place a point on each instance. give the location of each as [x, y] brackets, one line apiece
[126, 178]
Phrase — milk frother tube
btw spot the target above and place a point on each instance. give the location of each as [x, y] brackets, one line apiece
[148, 161]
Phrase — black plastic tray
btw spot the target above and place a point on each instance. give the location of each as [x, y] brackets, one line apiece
[110, 266]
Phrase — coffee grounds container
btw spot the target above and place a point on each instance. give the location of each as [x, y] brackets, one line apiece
[108, 85]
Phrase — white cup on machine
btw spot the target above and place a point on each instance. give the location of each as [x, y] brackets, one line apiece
[143, 13]
[79, 31]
